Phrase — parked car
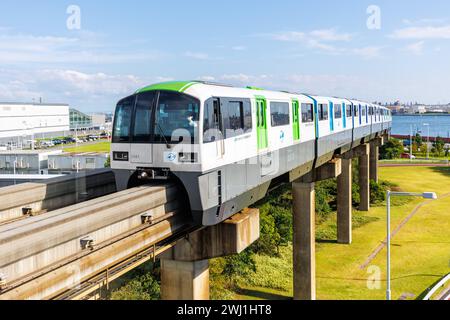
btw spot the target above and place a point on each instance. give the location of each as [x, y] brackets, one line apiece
[57, 142]
[47, 144]
[70, 140]
[407, 156]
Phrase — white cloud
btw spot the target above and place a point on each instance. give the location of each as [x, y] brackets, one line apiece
[422, 33]
[87, 47]
[424, 21]
[197, 55]
[88, 91]
[239, 48]
[330, 35]
[416, 48]
[324, 40]
[207, 78]
[369, 52]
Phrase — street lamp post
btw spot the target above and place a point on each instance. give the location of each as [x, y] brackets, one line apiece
[425, 195]
[410, 142]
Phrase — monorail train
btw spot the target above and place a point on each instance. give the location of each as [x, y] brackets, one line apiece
[227, 146]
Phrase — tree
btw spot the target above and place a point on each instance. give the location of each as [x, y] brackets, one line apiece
[438, 146]
[144, 287]
[391, 150]
[418, 140]
[108, 162]
[239, 265]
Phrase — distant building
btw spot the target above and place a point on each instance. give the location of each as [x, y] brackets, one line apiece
[396, 109]
[67, 163]
[25, 161]
[79, 120]
[98, 119]
[22, 122]
[417, 109]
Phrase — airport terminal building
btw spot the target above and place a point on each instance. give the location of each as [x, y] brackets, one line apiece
[20, 122]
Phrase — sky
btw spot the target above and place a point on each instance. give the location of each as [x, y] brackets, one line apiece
[372, 50]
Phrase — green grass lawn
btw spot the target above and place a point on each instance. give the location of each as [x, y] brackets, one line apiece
[420, 251]
[102, 146]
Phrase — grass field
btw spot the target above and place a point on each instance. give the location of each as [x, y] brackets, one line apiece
[420, 251]
[102, 146]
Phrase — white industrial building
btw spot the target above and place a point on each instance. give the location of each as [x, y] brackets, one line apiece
[21, 122]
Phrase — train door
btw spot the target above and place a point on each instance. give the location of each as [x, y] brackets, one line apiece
[296, 119]
[261, 119]
[331, 116]
[217, 124]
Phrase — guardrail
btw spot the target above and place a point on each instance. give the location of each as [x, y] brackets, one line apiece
[439, 285]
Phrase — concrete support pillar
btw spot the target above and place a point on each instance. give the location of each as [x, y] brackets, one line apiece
[344, 203]
[304, 241]
[374, 155]
[185, 267]
[364, 186]
[184, 280]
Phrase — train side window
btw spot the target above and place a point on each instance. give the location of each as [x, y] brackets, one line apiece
[212, 121]
[279, 113]
[307, 112]
[348, 110]
[363, 111]
[338, 111]
[355, 110]
[239, 118]
[323, 112]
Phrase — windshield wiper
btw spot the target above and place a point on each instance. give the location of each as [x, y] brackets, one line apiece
[164, 136]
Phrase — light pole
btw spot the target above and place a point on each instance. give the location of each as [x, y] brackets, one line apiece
[410, 142]
[428, 139]
[425, 195]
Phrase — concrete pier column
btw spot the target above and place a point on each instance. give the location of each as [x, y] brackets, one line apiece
[374, 155]
[185, 267]
[304, 241]
[184, 280]
[364, 186]
[344, 203]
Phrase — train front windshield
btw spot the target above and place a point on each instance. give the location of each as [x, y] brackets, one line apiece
[156, 117]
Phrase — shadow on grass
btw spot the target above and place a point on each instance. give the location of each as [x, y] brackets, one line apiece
[442, 170]
[262, 295]
[326, 241]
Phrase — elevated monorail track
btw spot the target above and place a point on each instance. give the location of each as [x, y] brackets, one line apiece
[31, 199]
[62, 253]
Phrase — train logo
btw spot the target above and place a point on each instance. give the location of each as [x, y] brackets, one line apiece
[171, 156]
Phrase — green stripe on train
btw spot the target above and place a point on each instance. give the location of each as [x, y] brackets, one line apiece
[178, 86]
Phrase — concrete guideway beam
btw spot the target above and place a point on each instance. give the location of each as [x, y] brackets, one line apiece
[185, 267]
[54, 193]
[57, 279]
[45, 240]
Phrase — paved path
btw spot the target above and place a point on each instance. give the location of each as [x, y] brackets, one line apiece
[387, 165]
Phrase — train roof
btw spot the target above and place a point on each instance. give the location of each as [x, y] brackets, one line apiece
[205, 90]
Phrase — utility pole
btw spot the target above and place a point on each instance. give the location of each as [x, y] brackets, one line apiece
[410, 143]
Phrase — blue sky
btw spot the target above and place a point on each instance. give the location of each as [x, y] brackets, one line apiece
[321, 47]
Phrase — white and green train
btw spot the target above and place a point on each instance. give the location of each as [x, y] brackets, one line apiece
[227, 146]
